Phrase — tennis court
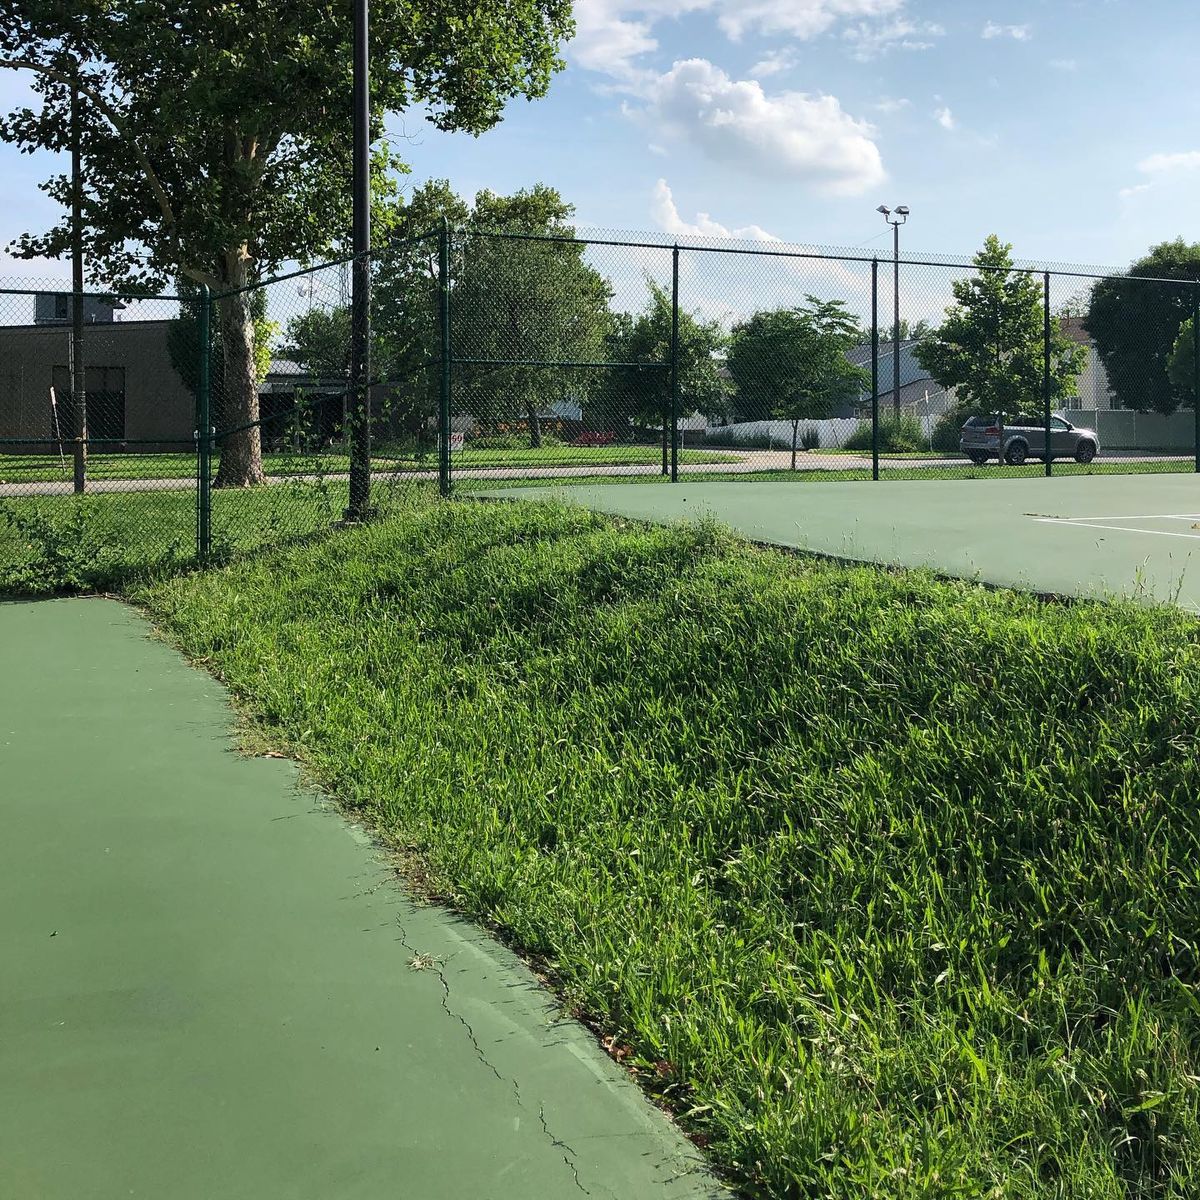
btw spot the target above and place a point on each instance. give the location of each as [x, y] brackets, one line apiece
[213, 988]
[1135, 536]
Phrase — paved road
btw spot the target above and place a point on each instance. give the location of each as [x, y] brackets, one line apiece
[747, 462]
[212, 988]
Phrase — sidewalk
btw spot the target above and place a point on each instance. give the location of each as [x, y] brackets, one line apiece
[212, 988]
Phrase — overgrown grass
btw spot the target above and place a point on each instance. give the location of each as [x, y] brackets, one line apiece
[107, 541]
[890, 885]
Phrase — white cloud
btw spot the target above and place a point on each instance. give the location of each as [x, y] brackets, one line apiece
[869, 40]
[606, 42]
[1166, 164]
[1064, 64]
[888, 105]
[666, 217]
[1019, 33]
[611, 35]
[1137, 189]
[804, 19]
[788, 134]
[773, 64]
[945, 118]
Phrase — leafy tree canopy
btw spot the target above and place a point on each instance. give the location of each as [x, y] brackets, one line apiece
[990, 346]
[1135, 323]
[216, 136]
[643, 395]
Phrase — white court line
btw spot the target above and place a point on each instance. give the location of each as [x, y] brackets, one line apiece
[1119, 528]
[1129, 517]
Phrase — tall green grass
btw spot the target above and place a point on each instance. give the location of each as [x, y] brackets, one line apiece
[891, 886]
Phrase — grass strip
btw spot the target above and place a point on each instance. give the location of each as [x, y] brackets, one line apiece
[889, 885]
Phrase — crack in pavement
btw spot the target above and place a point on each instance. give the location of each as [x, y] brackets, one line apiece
[568, 1154]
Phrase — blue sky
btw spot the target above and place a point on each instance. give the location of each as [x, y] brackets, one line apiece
[1071, 129]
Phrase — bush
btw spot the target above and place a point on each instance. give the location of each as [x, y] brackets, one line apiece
[810, 438]
[948, 430]
[508, 441]
[895, 437]
[754, 441]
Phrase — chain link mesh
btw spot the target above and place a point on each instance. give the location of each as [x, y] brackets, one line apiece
[505, 359]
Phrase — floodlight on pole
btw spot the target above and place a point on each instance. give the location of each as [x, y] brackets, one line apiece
[895, 218]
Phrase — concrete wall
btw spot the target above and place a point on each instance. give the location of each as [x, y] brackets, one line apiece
[158, 406]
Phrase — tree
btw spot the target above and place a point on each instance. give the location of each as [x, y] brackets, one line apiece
[1135, 323]
[910, 331]
[990, 346]
[632, 394]
[216, 139]
[791, 362]
[1182, 365]
[183, 345]
[520, 306]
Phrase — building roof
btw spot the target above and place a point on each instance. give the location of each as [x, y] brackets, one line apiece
[910, 370]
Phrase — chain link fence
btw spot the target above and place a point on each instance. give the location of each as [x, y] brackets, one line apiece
[146, 432]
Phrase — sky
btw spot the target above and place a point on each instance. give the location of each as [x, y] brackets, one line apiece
[1069, 128]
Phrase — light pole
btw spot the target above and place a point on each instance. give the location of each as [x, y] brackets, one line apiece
[895, 218]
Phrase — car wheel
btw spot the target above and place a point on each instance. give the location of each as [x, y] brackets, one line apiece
[978, 459]
[1016, 453]
[1085, 452]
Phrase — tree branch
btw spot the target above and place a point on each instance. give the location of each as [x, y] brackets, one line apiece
[115, 120]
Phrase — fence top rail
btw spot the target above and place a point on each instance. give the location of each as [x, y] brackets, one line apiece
[781, 249]
[63, 288]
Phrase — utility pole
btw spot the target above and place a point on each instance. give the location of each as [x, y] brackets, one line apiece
[901, 213]
[360, 302]
[78, 376]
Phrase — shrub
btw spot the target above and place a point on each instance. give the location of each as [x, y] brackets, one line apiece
[895, 437]
[508, 441]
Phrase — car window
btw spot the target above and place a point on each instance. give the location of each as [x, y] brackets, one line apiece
[1059, 424]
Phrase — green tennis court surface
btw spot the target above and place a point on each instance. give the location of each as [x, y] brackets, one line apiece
[1085, 535]
[212, 988]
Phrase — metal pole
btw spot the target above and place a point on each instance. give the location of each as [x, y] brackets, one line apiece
[444, 390]
[360, 304]
[896, 329]
[78, 374]
[204, 430]
[1046, 366]
[1196, 373]
[675, 365]
[875, 369]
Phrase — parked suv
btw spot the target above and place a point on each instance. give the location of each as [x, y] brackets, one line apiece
[1014, 439]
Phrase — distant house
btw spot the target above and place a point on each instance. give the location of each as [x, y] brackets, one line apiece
[1093, 389]
[918, 390]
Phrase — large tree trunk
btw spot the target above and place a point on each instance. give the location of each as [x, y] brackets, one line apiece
[795, 434]
[241, 452]
[535, 426]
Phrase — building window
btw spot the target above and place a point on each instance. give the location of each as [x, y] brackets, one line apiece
[105, 404]
[60, 306]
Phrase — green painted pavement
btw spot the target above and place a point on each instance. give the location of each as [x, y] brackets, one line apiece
[206, 983]
[1082, 535]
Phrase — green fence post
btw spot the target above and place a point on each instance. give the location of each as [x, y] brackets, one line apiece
[1046, 368]
[444, 387]
[1196, 374]
[675, 364]
[875, 369]
[204, 430]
